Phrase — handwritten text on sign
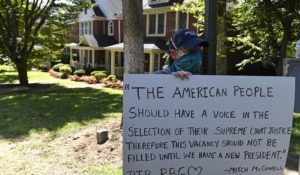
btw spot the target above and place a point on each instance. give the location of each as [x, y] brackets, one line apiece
[206, 125]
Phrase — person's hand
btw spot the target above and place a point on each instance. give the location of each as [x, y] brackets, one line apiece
[182, 74]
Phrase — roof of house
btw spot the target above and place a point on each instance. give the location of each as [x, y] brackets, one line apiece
[146, 4]
[88, 40]
[150, 43]
[120, 46]
[98, 11]
[86, 15]
[104, 40]
[171, 2]
[112, 9]
[158, 41]
[94, 41]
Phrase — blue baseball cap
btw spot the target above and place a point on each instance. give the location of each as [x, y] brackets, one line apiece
[186, 38]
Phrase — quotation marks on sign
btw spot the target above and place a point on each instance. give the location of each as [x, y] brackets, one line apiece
[126, 87]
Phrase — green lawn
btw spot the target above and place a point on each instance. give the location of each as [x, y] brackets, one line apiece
[12, 77]
[295, 139]
[37, 121]
[24, 113]
[35, 76]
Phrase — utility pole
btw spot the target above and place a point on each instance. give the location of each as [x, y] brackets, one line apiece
[210, 32]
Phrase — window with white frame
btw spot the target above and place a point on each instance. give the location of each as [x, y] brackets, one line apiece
[85, 28]
[156, 24]
[110, 28]
[182, 20]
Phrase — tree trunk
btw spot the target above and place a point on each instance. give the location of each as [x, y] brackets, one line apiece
[22, 71]
[283, 46]
[221, 62]
[133, 36]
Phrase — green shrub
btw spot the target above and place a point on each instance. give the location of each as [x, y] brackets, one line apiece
[65, 70]
[98, 75]
[96, 72]
[57, 66]
[79, 72]
[112, 78]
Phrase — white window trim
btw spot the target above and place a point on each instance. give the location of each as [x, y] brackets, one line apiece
[177, 20]
[110, 33]
[156, 25]
[84, 28]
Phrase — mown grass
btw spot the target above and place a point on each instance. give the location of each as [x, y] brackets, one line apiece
[28, 119]
[57, 111]
[104, 170]
[11, 77]
[295, 138]
[40, 117]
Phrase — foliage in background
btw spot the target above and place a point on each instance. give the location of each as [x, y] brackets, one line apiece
[5, 68]
[295, 138]
[196, 8]
[267, 29]
[26, 24]
[80, 72]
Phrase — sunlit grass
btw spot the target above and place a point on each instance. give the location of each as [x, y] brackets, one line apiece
[295, 139]
[57, 111]
[38, 77]
[104, 170]
[11, 77]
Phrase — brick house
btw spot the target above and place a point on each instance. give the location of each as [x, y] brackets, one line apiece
[100, 33]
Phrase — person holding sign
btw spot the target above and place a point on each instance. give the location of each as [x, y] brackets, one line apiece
[185, 52]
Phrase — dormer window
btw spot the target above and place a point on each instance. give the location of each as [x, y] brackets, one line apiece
[157, 1]
[110, 28]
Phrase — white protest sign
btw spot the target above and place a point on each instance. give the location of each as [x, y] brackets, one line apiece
[206, 125]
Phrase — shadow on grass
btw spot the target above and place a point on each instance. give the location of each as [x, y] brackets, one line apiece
[4, 78]
[44, 110]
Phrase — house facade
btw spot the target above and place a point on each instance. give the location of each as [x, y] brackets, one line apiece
[100, 35]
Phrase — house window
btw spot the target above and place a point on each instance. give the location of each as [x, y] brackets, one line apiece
[85, 28]
[152, 24]
[156, 24]
[110, 28]
[182, 20]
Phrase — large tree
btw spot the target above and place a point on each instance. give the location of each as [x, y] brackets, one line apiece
[133, 36]
[20, 25]
[266, 29]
